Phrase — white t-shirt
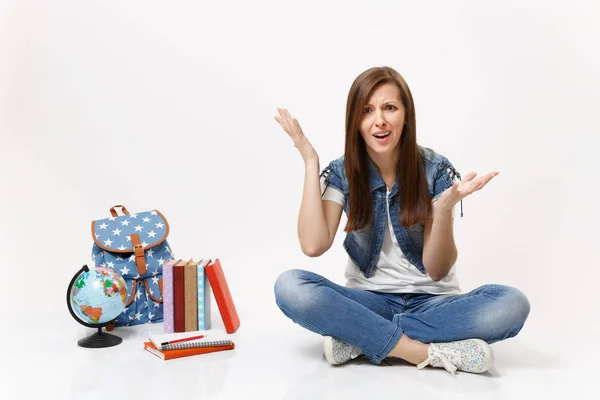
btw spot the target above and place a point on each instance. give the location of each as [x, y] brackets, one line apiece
[393, 272]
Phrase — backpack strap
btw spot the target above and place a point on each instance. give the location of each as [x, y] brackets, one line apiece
[133, 289]
[138, 250]
[156, 300]
[113, 212]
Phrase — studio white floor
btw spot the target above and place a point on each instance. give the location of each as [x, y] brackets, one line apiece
[275, 359]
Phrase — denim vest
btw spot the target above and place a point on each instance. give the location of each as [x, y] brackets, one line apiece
[364, 246]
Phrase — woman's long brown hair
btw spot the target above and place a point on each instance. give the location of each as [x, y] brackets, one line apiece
[414, 193]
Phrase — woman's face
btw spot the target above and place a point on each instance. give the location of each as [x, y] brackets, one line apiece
[382, 121]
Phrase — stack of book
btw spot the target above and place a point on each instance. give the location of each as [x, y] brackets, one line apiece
[187, 288]
[176, 345]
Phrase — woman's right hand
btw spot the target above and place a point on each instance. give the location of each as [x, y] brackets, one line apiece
[292, 127]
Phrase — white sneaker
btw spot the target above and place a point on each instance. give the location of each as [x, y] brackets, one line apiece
[338, 352]
[470, 355]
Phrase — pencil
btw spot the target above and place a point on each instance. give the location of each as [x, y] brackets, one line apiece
[182, 340]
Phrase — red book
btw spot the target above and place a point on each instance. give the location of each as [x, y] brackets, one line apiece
[229, 314]
[179, 296]
[170, 354]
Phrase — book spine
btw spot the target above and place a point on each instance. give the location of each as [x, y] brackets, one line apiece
[179, 298]
[169, 326]
[223, 297]
[191, 297]
[207, 302]
[202, 315]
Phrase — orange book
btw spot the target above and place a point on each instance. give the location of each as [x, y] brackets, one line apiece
[171, 354]
[220, 289]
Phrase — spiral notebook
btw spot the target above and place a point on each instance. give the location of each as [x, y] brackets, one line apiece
[212, 341]
[196, 344]
[213, 337]
[171, 354]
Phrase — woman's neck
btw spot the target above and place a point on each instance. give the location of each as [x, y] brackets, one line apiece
[386, 165]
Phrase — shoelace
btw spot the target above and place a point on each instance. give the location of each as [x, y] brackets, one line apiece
[441, 357]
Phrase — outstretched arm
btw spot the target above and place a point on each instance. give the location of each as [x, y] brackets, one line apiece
[318, 219]
[439, 249]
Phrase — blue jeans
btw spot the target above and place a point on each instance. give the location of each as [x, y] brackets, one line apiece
[374, 321]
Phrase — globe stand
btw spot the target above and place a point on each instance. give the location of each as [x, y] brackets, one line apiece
[99, 340]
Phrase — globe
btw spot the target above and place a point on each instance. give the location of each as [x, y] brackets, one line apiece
[95, 297]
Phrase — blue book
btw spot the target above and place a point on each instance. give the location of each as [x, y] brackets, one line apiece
[203, 296]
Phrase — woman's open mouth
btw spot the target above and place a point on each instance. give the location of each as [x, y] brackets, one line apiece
[382, 137]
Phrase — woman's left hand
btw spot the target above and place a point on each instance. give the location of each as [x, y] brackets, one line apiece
[462, 189]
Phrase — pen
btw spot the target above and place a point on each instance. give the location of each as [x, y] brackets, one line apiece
[182, 340]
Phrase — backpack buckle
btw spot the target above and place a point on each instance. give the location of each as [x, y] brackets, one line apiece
[138, 251]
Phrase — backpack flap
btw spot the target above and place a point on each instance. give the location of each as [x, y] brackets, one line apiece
[136, 234]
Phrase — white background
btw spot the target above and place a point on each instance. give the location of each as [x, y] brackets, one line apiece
[169, 106]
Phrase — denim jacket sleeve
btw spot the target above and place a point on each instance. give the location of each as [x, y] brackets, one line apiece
[332, 177]
[444, 177]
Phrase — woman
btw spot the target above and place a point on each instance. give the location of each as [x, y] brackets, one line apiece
[402, 297]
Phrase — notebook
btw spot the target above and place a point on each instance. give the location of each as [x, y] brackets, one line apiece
[171, 354]
[213, 337]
